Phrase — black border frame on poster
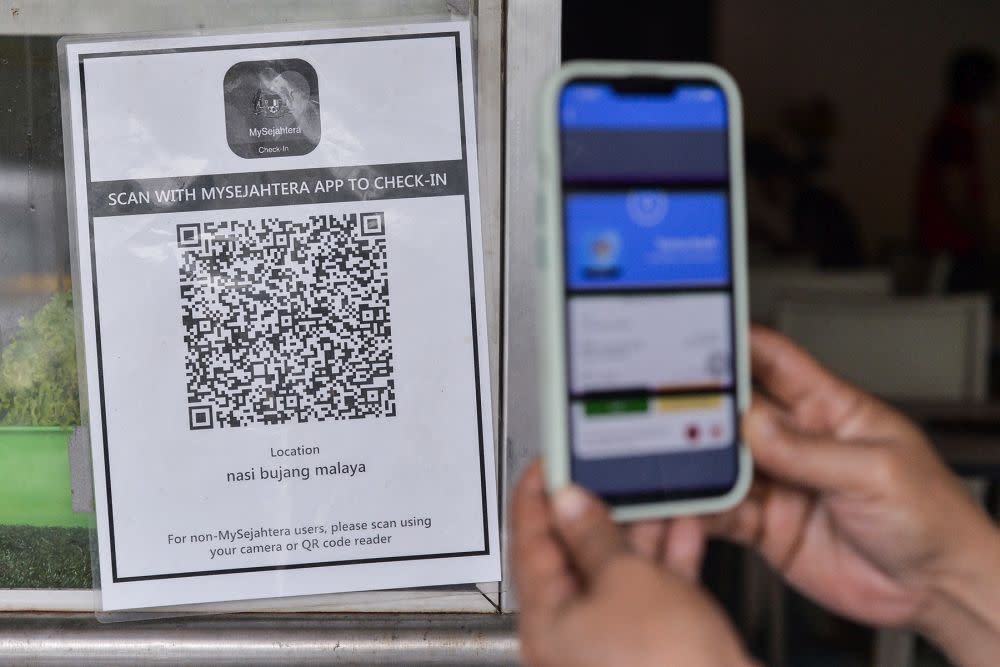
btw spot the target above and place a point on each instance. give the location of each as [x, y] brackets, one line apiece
[472, 291]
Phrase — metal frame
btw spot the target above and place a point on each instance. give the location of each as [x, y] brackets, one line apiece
[534, 38]
[302, 639]
[56, 17]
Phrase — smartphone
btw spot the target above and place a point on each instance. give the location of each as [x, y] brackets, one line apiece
[643, 308]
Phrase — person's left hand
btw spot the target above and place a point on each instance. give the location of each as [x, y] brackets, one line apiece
[588, 599]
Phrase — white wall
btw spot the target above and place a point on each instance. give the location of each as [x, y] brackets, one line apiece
[885, 54]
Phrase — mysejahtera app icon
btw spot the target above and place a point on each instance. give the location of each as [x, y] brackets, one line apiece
[272, 108]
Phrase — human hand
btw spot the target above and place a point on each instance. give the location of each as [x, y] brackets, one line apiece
[852, 506]
[587, 599]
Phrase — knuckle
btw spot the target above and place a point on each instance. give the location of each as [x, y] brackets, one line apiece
[780, 449]
[887, 468]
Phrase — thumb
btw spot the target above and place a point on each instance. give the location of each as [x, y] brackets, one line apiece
[819, 462]
[591, 538]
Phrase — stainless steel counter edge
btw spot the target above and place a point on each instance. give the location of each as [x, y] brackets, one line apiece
[249, 639]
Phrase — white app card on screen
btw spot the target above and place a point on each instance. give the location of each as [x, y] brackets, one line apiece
[650, 342]
[652, 425]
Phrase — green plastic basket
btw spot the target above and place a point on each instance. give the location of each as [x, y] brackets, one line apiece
[35, 477]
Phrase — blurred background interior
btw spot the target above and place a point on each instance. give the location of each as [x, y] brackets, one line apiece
[873, 178]
[873, 194]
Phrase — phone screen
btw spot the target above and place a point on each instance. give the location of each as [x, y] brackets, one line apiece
[649, 294]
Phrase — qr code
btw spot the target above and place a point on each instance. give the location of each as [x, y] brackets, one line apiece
[286, 320]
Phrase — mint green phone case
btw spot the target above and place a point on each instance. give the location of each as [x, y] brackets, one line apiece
[551, 311]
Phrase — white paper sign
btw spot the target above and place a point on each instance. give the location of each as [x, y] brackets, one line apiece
[280, 285]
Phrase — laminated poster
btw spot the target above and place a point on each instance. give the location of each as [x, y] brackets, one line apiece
[282, 312]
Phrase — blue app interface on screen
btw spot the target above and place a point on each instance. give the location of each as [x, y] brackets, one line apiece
[646, 207]
[647, 238]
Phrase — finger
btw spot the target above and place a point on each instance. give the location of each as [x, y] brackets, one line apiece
[788, 455]
[592, 540]
[684, 547]
[743, 523]
[542, 574]
[794, 378]
[646, 538]
[772, 521]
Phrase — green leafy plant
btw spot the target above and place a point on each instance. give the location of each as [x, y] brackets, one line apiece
[33, 557]
[38, 385]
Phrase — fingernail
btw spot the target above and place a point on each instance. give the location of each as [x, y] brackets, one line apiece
[570, 503]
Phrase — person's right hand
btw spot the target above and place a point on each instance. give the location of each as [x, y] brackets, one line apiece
[854, 509]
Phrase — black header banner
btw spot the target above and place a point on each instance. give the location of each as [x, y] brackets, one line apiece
[278, 188]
